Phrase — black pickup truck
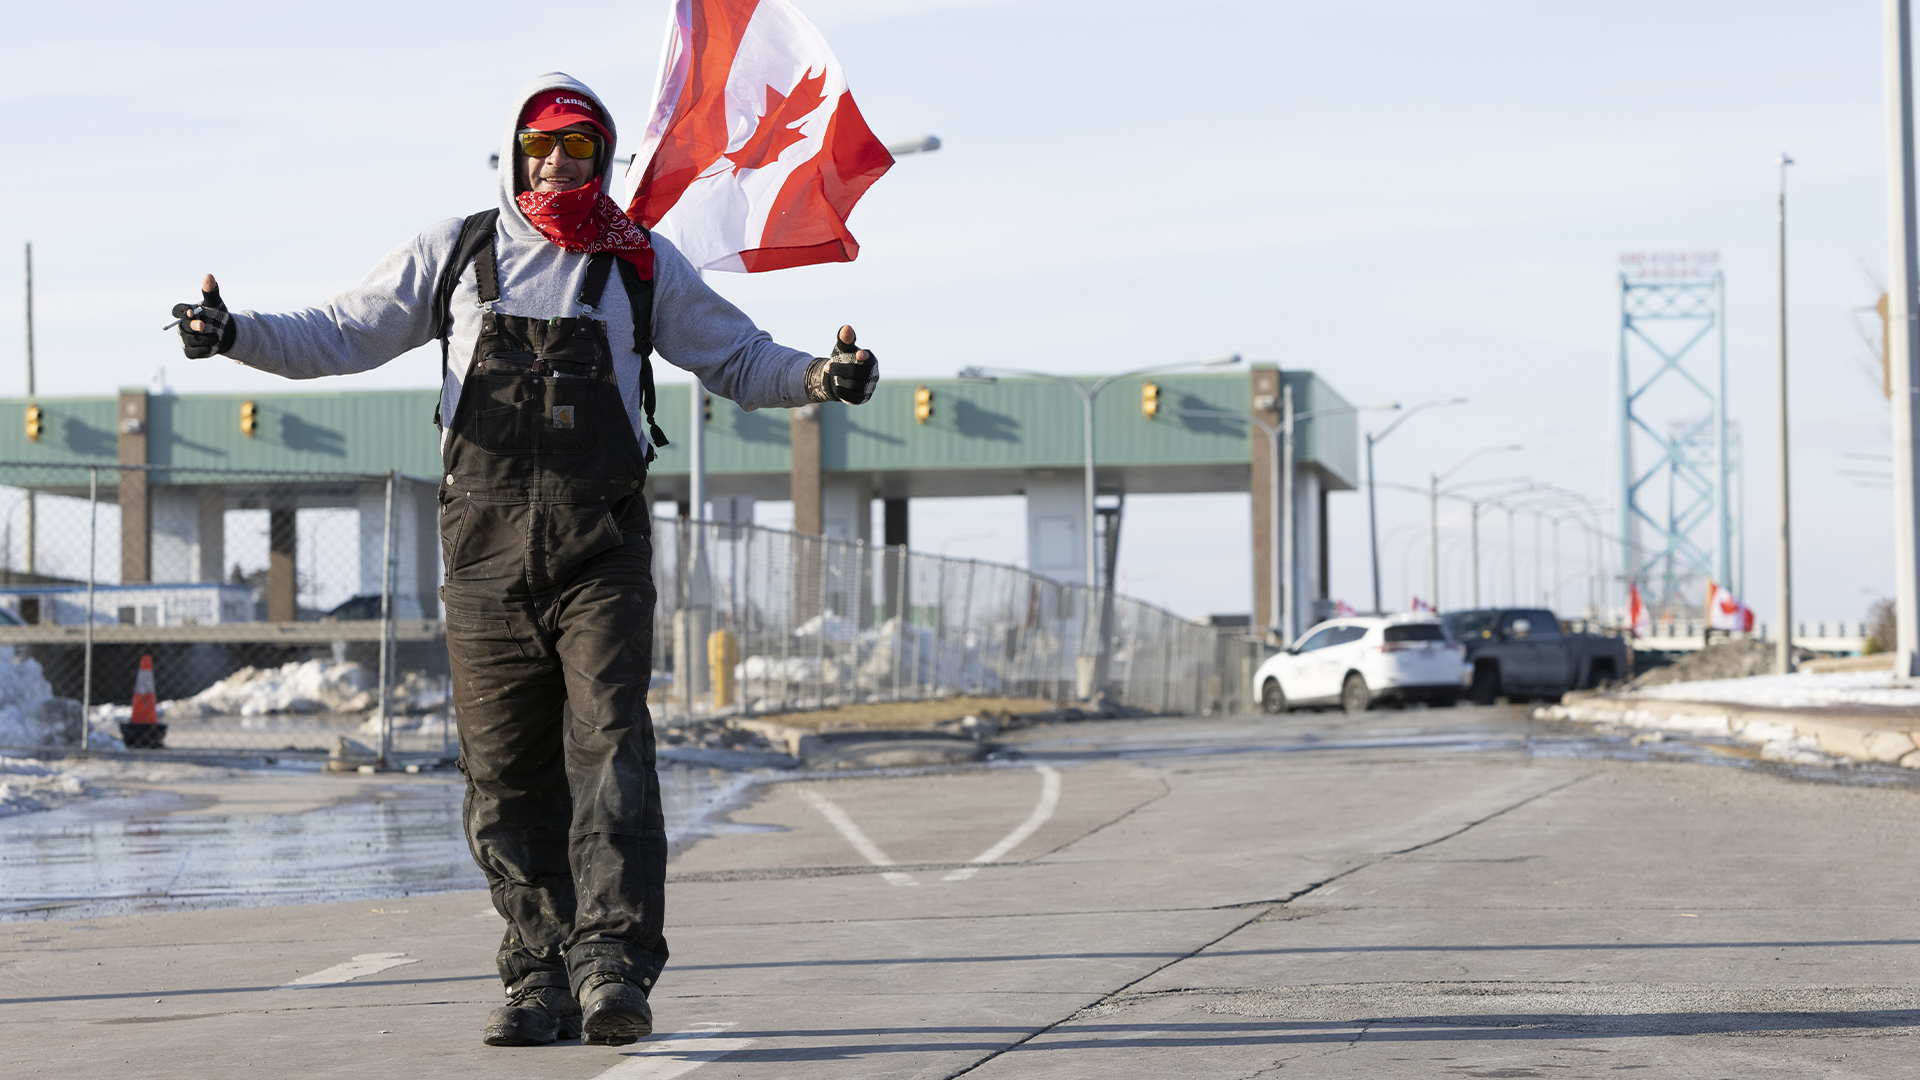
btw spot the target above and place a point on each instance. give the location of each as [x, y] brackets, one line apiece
[1520, 653]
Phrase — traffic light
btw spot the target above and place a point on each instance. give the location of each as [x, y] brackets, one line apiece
[922, 404]
[249, 418]
[33, 423]
[706, 407]
[1150, 400]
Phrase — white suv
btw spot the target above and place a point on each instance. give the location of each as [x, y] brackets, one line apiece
[1355, 662]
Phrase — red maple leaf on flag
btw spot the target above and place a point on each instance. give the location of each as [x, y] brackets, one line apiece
[775, 132]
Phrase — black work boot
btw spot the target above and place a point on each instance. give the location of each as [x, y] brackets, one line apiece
[614, 1011]
[534, 1016]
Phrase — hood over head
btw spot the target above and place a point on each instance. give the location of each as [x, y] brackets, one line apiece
[512, 219]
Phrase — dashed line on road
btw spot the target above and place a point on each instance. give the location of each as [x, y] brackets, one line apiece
[363, 964]
[862, 843]
[677, 1053]
[1049, 800]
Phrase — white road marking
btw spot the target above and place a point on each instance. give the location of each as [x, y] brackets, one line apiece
[1041, 811]
[1049, 799]
[861, 842]
[363, 964]
[678, 1053]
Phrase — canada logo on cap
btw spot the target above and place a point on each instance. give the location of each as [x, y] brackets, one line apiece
[551, 110]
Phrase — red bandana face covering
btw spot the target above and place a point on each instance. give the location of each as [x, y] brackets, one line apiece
[585, 220]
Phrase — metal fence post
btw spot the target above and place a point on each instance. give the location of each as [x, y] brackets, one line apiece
[386, 626]
[86, 667]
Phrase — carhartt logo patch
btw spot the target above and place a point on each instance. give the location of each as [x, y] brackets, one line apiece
[563, 416]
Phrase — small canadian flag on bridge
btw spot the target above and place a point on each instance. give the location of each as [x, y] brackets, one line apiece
[1726, 612]
[754, 145]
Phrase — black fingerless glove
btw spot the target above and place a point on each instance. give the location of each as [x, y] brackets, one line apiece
[850, 378]
[220, 326]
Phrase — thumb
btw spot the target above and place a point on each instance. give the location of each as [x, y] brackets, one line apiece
[210, 293]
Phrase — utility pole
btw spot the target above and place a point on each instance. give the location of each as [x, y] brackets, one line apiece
[30, 394]
[1903, 278]
[1783, 649]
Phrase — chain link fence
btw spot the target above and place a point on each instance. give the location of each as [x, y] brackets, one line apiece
[220, 610]
[257, 613]
[753, 621]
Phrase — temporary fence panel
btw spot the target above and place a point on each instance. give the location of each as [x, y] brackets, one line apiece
[297, 613]
[278, 612]
[817, 622]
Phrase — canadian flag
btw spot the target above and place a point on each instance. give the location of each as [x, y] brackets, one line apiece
[1417, 605]
[1637, 619]
[754, 143]
[1342, 609]
[1725, 611]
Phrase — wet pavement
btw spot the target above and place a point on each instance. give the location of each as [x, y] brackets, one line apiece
[160, 850]
[334, 837]
[1433, 893]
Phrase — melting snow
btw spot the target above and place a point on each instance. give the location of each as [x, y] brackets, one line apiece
[1797, 691]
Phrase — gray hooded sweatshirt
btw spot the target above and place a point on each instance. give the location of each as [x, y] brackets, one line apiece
[390, 312]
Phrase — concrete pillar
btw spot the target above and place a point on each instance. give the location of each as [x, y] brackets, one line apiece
[188, 536]
[1056, 516]
[1323, 588]
[1265, 389]
[1309, 590]
[409, 517]
[846, 504]
[846, 508]
[283, 595]
[135, 523]
[809, 513]
[426, 548]
[894, 536]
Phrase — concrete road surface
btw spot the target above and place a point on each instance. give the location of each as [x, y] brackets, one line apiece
[1434, 894]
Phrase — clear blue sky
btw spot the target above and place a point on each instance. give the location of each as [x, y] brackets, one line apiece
[1415, 199]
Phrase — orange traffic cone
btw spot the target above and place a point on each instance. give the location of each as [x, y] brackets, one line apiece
[144, 731]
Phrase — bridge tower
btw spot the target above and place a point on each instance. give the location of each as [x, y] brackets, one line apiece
[1678, 524]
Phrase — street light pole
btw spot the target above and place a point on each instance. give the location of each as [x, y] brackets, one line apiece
[1373, 528]
[1783, 649]
[1903, 344]
[1288, 614]
[1433, 514]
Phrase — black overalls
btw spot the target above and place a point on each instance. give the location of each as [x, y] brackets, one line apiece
[549, 603]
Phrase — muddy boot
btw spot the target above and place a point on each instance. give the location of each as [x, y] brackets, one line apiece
[534, 1016]
[614, 1010]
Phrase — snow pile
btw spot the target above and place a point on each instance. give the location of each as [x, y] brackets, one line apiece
[30, 716]
[1799, 691]
[312, 686]
[1732, 659]
[300, 687]
[836, 657]
[828, 626]
[27, 784]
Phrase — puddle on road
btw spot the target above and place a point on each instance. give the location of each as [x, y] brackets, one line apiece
[119, 856]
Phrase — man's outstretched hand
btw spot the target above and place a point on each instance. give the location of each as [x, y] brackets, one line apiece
[851, 374]
[205, 328]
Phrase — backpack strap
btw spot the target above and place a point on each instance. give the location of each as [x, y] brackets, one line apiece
[475, 243]
[640, 306]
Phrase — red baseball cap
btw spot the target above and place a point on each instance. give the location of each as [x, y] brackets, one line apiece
[551, 110]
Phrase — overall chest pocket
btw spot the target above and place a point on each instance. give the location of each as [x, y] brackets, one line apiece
[530, 403]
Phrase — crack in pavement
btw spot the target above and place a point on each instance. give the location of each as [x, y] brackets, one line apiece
[1260, 916]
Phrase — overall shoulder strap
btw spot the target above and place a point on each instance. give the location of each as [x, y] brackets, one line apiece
[475, 243]
[640, 306]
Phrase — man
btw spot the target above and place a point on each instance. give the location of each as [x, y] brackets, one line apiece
[546, 318]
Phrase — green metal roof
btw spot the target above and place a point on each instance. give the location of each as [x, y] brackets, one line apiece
[989, 433]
